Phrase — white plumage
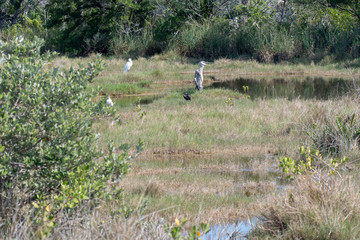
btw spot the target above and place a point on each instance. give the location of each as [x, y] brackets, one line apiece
[109, 102]
[128, 65]
[198, 79]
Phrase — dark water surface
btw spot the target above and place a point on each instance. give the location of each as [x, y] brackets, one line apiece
[304, 88]
[268, 88]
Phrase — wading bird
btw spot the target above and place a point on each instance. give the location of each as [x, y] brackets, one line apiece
[187, 97]
[199, 77]
[109, 102]
[128, 65]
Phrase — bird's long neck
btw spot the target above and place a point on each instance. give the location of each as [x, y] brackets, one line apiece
[201, 69]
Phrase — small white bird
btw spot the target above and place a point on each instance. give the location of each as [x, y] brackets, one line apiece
[128, 65]
[109, 102]
[199, 77]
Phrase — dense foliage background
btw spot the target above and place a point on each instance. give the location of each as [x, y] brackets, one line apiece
[269, 30]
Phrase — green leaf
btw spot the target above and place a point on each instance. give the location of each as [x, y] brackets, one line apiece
[35, 204]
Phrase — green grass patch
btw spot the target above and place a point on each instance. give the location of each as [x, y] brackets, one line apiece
[122, 88]
[144, 83]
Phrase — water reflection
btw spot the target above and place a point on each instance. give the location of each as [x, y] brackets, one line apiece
[237, 230]
[305, 88]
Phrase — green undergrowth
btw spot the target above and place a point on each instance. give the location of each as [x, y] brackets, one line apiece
[121, 88]
[206, 121]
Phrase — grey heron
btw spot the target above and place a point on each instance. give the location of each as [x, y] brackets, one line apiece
[199, 77]
[187, 97]
[109, 102]
[128, 65]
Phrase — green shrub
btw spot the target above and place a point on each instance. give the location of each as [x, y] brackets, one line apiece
[311, 162]
[48, 155]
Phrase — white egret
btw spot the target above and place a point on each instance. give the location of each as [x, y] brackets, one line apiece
[199, 77]
[109, 102]
[128, 65]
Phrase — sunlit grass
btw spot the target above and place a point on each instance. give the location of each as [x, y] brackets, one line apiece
[194, 150]
[166, 70]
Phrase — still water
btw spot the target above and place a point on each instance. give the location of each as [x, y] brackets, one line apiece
[304, 88]
[267, 88]
[237, 230]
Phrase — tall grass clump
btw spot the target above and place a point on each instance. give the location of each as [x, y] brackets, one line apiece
[318, 41]
[313, 210]
[140, 44]
[208, 40]
[335, 135]
[272, 43]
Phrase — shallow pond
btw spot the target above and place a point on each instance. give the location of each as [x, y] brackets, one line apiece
[237, 230]
[304, 88]
[267, 88]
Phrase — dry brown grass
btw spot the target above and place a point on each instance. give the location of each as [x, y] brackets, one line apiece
[200, 187]
[103, 222]
[189, 167]
[252, 188]
[313, 210]
[194, 153]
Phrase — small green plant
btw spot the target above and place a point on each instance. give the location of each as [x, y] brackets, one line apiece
[229, 102]
[310, 161]
[179, 232]
[246, 90]
[138, 109]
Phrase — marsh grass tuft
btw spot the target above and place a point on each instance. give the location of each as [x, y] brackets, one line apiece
[153, 190]
[144, 83]
[251, 188]
[312, 210]
[336, 135]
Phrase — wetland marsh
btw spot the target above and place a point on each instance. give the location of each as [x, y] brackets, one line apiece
[268, 149]
[215, 159]
[223, 158]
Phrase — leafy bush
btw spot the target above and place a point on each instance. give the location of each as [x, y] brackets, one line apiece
[48, 157]
[311, 162]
